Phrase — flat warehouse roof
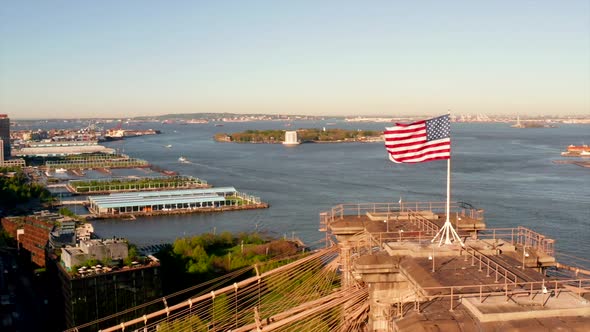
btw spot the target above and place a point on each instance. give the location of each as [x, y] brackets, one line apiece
[159, 201]
[161, 197]
[62, 150]
[164, 193]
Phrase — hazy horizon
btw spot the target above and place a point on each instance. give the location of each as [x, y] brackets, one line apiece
[67, 59]
[178, 116]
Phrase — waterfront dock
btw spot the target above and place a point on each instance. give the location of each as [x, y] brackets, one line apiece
[166, 202]
[132, 216]
[140, 195]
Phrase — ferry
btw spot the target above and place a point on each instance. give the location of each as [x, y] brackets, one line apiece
[578, 148]
[114, 135]
[577, 151]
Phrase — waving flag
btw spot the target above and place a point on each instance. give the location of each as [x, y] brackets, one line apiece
[420, 141]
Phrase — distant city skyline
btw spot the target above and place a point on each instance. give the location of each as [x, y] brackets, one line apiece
[68, 59]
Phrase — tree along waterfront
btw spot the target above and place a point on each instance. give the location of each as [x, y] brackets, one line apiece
[304, 135]
[15, 188]
[192, 260]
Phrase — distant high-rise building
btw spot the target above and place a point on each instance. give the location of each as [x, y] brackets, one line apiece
[5, 134]
[1, 151]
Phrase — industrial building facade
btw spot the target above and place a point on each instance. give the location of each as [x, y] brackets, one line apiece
[32, 233]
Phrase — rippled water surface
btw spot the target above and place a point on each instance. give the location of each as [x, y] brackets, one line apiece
[505, 171]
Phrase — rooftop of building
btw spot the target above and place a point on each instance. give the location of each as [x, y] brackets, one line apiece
[44, 216]
[73, 250]
[58, 143]
[101, 269]
[58, 150]
[501, 278]
[94, 242]
[161, 197]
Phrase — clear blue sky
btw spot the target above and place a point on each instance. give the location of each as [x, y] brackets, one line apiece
[127, 58]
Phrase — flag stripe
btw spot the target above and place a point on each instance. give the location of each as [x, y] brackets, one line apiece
[412, 156]
[406, 125]
[405, 129]
[419, 147]
[406, 137]
[420, 141]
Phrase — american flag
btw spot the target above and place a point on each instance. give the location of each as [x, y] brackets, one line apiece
[420, 141]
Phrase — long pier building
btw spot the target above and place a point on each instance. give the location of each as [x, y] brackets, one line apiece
[171, 201]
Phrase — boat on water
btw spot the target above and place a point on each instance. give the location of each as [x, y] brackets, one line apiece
[60, 170]
[183, 159]
[169, 146]
[114, 135]
[583, 147]
[577, 150]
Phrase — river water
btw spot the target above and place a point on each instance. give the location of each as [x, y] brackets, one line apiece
[507, 172]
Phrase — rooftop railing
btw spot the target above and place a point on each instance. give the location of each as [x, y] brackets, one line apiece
[412, 208]
[521, 236]
[538, 291]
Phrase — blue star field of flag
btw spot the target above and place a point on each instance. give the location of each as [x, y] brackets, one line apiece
[438, 128]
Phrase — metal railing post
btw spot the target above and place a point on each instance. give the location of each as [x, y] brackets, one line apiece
[480, 261]
[480, 293]
[451, 299]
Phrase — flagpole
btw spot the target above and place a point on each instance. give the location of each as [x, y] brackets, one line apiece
[447, 233]
[447, 240]
[448, 186]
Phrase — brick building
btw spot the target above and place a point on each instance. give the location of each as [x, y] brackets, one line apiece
[31, 233]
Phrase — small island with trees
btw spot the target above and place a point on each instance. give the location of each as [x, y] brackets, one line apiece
[308, 135]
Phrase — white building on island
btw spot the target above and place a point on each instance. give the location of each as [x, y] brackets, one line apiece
[291, 138]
